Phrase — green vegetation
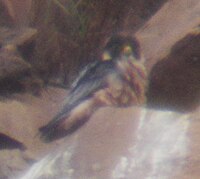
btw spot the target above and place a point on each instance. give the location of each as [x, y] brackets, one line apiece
[72, 10]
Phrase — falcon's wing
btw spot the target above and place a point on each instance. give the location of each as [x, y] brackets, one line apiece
[84, 74]
[92, 78]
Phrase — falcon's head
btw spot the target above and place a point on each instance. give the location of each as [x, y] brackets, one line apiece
[119, 46]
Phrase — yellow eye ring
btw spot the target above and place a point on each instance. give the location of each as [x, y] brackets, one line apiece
[127, 50]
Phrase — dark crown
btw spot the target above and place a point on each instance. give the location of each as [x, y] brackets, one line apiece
[117, 43]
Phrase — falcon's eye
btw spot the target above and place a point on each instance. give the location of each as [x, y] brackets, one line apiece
[127, 50]
[106, 56]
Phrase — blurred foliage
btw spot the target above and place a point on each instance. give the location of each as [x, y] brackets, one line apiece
[68, 30]
[71, 9]
[73, 32]
[5, 20]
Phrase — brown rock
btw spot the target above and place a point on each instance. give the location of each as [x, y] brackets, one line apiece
[126, 143]
[11, 64]
[175, 81]
[122, 143]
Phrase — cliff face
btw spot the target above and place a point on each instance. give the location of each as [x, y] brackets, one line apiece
[115, 143]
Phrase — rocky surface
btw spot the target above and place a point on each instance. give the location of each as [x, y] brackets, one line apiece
[130, 143]
[120, 143]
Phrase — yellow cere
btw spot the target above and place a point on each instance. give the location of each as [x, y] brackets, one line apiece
[106, 56]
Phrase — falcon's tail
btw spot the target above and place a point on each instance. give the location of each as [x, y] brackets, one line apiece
[66, 122]
[53, 129]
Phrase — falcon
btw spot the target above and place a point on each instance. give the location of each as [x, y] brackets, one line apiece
[118, 79]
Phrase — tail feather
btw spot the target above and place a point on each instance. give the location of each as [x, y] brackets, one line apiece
[49, 131]
[55, 131]
[53, 128]
[68, 120]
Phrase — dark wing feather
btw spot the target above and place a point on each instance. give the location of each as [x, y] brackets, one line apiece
[85, 73]
[91, 80]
